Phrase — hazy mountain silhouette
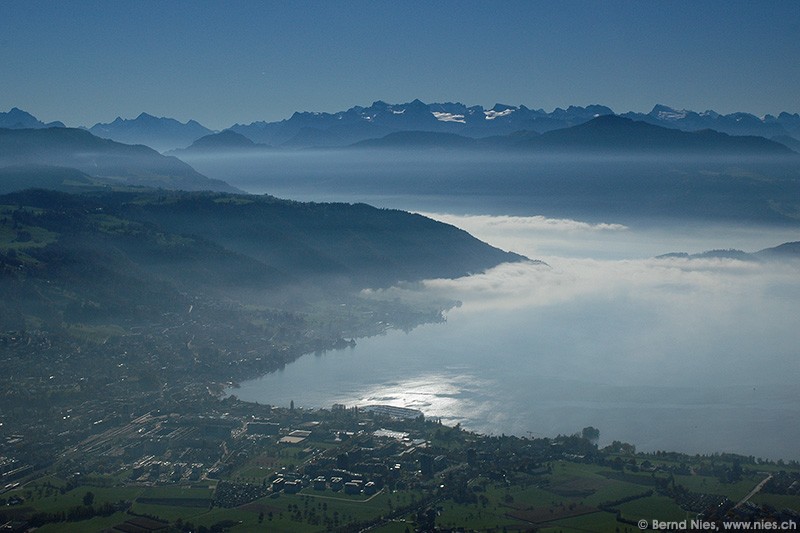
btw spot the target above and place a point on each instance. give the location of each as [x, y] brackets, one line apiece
[732, 124]
[120, 163]
[418, 139]
[20, 177]
[606, 134]
[224, 141]
[160, 133]
[788, 141]
[380, 119]
[343, 128]
[615, 133]
[214, 239]
[785, 251]
[19, 119]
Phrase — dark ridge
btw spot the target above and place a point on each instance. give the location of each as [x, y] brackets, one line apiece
[103, 158]
[611, 133]
[418, 139]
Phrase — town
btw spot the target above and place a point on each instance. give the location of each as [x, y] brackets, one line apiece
[117, 413]
[231, 465]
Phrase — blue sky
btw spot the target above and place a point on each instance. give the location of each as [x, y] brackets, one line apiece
[234, 61]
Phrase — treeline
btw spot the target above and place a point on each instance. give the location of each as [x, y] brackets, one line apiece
[74, 514]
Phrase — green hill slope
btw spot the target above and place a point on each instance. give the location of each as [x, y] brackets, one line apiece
[67, 257]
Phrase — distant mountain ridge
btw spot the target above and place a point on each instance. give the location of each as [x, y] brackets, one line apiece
[116, 163]
[19, 119]
[784, 124]
[159, 133]
[342, 128]
[197, 239]
[226, 140]
[380, 119]
[618, 133]
[603, 134]
[785, 251]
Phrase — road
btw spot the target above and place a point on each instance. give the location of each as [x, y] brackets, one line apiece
[753, 492]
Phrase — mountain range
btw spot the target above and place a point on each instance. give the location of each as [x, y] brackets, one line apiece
[784, 124]
[313, 129]
[71, 159]
[379, 119]
[604, 134]
[224, 141]
[19, 119]
[160, 133]
[51, 150]
[787, 250]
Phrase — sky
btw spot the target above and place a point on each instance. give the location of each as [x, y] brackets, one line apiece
[221, 63]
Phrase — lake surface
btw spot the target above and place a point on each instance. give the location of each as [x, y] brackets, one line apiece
[698, 356]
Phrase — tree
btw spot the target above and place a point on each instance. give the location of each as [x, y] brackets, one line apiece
[88, 499]
[591, 434]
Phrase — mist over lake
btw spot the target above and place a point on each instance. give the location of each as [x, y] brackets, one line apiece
[645, 190]
[695, 355]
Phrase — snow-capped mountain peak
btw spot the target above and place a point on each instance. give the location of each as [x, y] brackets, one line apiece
[492, 114]
[448, 117]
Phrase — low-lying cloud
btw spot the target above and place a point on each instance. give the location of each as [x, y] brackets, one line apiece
[539, 237]
[696, 282]
[517, 223]
[696, 355]
[670, 321]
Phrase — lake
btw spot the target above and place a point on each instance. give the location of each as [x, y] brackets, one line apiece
[699, 356]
